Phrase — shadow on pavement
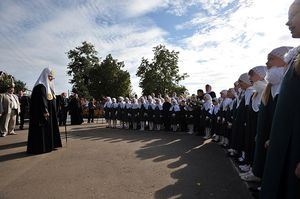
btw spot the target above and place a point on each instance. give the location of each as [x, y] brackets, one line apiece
[13, 156]
[200, 168]
[13, 145]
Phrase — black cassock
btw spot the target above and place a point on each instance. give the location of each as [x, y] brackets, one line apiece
[43, 134]
[75, 111]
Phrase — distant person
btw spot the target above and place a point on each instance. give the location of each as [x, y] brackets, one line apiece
[62, 109]
[43, 134]
[200, 95]
[24, 107]
[10, 107]
[209, 91]
[75, 110]
[166, 113]
[92, 107]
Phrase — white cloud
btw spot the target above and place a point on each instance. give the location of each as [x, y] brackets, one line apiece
[30, 50]
[233, 44]
[231, 36]
[140, 7]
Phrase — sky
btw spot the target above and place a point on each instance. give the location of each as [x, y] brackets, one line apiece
[217, 40]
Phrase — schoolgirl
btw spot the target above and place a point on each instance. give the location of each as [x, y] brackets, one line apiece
[151, 113]
[281, 178]
[127, 113]
[114, 112]
[120, 111]
[257, 75]
[238, 131]
[135, 113]
[213, 117]
[158, 114]
[205, 113]
[174, 112]
[143, 115]
[107, 111]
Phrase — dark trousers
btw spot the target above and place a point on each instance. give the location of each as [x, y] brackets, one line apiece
[91, 115]
[62, 117]
[22, 116]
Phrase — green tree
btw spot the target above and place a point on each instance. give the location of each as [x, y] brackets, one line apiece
[108, 79]
[83, 59]
[162, 74]
[19, 85]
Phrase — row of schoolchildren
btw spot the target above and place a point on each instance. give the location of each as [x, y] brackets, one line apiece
[241, 118]
[262, 121]
[246, 112]
[183, 114]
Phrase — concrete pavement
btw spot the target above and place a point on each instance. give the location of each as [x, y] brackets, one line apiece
[111, 163]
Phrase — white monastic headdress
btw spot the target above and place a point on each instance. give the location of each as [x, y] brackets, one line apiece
[49, 85]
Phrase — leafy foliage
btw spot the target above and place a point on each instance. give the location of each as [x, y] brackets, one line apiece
[108, 79]
[83, 59]
[7, 79]
[92, 78]
[162, 74]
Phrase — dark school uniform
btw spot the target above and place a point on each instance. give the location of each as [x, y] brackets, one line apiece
[182, 118]
[158, 115]
[279, 179]
[250, 133]
[264, 123]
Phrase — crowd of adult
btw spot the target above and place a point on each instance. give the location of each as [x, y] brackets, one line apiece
[15, 109]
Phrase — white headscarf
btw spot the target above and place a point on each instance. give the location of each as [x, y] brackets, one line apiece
[135, 104]
[281, 52]
[151, 103]
[225, 104]
[108, 102]
[275, 76]
[248, 94]
[245, 78]
[175, 105]
[259, 86]
[208, 102]
[291, 54]
[43, 79]
[260, 70]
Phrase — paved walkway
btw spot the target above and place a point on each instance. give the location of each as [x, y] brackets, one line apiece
[118, 164]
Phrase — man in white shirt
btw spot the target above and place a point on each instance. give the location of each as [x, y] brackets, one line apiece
[9, 108]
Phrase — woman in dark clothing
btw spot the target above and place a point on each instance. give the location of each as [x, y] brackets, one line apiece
[75, 110]
[166, 113]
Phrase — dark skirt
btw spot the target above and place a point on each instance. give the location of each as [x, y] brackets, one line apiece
[264, 123]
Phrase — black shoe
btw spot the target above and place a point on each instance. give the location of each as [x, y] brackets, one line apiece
[21, 127]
